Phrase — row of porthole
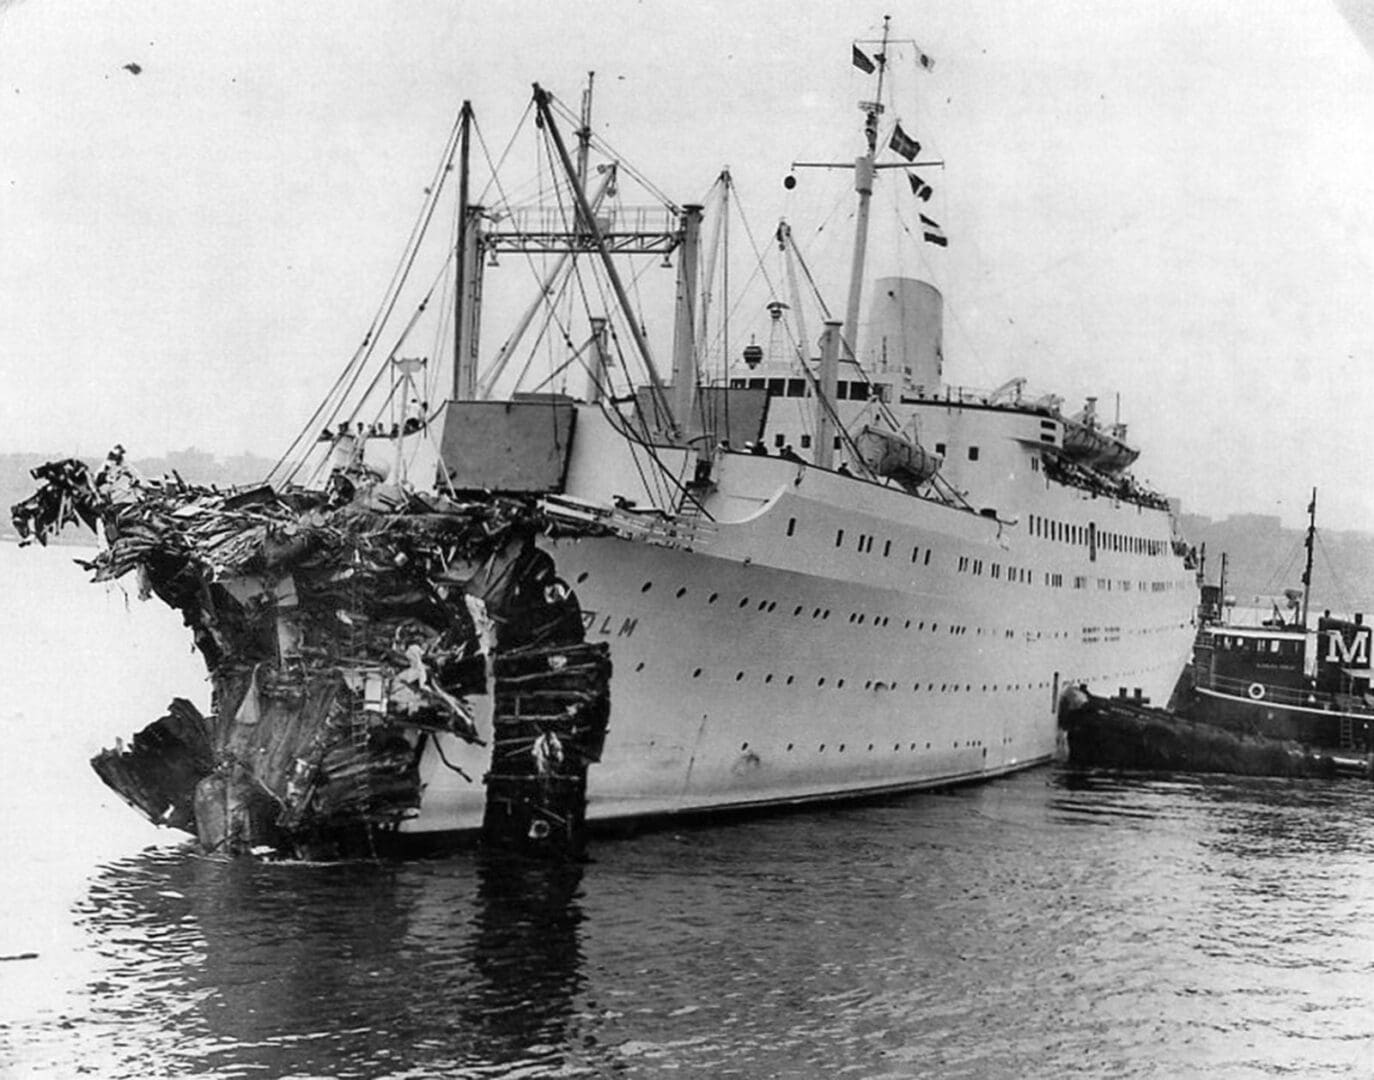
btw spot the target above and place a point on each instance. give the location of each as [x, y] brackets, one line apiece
[855, 617]
[820, 747]
[882, 684]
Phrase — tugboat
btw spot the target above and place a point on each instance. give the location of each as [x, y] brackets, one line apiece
[1285, 681]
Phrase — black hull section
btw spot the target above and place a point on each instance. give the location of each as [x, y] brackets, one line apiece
[1330, 730]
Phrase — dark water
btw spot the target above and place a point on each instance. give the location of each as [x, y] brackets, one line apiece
[1047, 925]
[1042, 926]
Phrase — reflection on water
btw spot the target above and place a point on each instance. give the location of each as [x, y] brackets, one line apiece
[1052, 923]
[331, 970]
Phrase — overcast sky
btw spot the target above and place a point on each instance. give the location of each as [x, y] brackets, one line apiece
[1173, 200]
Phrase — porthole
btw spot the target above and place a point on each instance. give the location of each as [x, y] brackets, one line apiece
[763, 605]
[790, 745]
[713, 598]
[796, 611]
[839, 685]
[744, 600]
[696, 674]
[789, 679]
[646, 586]
[820, 681]
[768, 678]
[639, 666]
[907, 625]
[870, 746]
[738, 676]
[841, 748]
[744, 746]
[681, 592]
[582, 577]
[822, 749]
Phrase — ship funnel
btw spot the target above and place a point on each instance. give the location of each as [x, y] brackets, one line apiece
[905, 333]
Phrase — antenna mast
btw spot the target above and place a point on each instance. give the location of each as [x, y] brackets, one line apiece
[863, 185]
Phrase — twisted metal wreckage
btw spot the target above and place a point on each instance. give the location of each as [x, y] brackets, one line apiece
[341, 630]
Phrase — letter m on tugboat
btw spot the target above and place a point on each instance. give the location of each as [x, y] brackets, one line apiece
[1347, 645]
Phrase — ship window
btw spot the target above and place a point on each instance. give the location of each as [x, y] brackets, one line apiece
[926, 561]
[779, 441]
[973, 453]
[777, 387]
[887, 548]
[806, 442]
[940, 448]
[756, 384]
[796, 387]
[842, 391]
[791, 526]
[839, 537]
[837, 442]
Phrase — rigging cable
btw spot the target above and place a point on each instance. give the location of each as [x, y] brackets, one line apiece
[390, 298]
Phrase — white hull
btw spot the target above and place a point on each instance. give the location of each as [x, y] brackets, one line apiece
[766, 667]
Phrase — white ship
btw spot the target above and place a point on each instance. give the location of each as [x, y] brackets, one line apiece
[822, 569]
[836, 621]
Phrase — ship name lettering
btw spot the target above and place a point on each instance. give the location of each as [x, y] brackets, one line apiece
[1356, 654]
[628, 627]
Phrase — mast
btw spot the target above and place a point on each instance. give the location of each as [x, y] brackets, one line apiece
[863, 185]
[541, 99]
[1310, 543]
[684, 336]
[464, 313]
[584, 133]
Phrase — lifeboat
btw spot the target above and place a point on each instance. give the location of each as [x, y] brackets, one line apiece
[896, 457]
[1085, 442]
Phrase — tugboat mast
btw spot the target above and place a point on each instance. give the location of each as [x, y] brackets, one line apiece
[1307, 570]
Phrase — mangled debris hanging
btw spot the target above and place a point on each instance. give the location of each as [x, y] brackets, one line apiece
[341, 631]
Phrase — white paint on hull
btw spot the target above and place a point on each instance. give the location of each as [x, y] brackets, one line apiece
[836, 640]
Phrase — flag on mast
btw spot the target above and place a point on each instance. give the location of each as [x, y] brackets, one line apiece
[904, 144]
[862, 61]
[919, 187]
[933, 233]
